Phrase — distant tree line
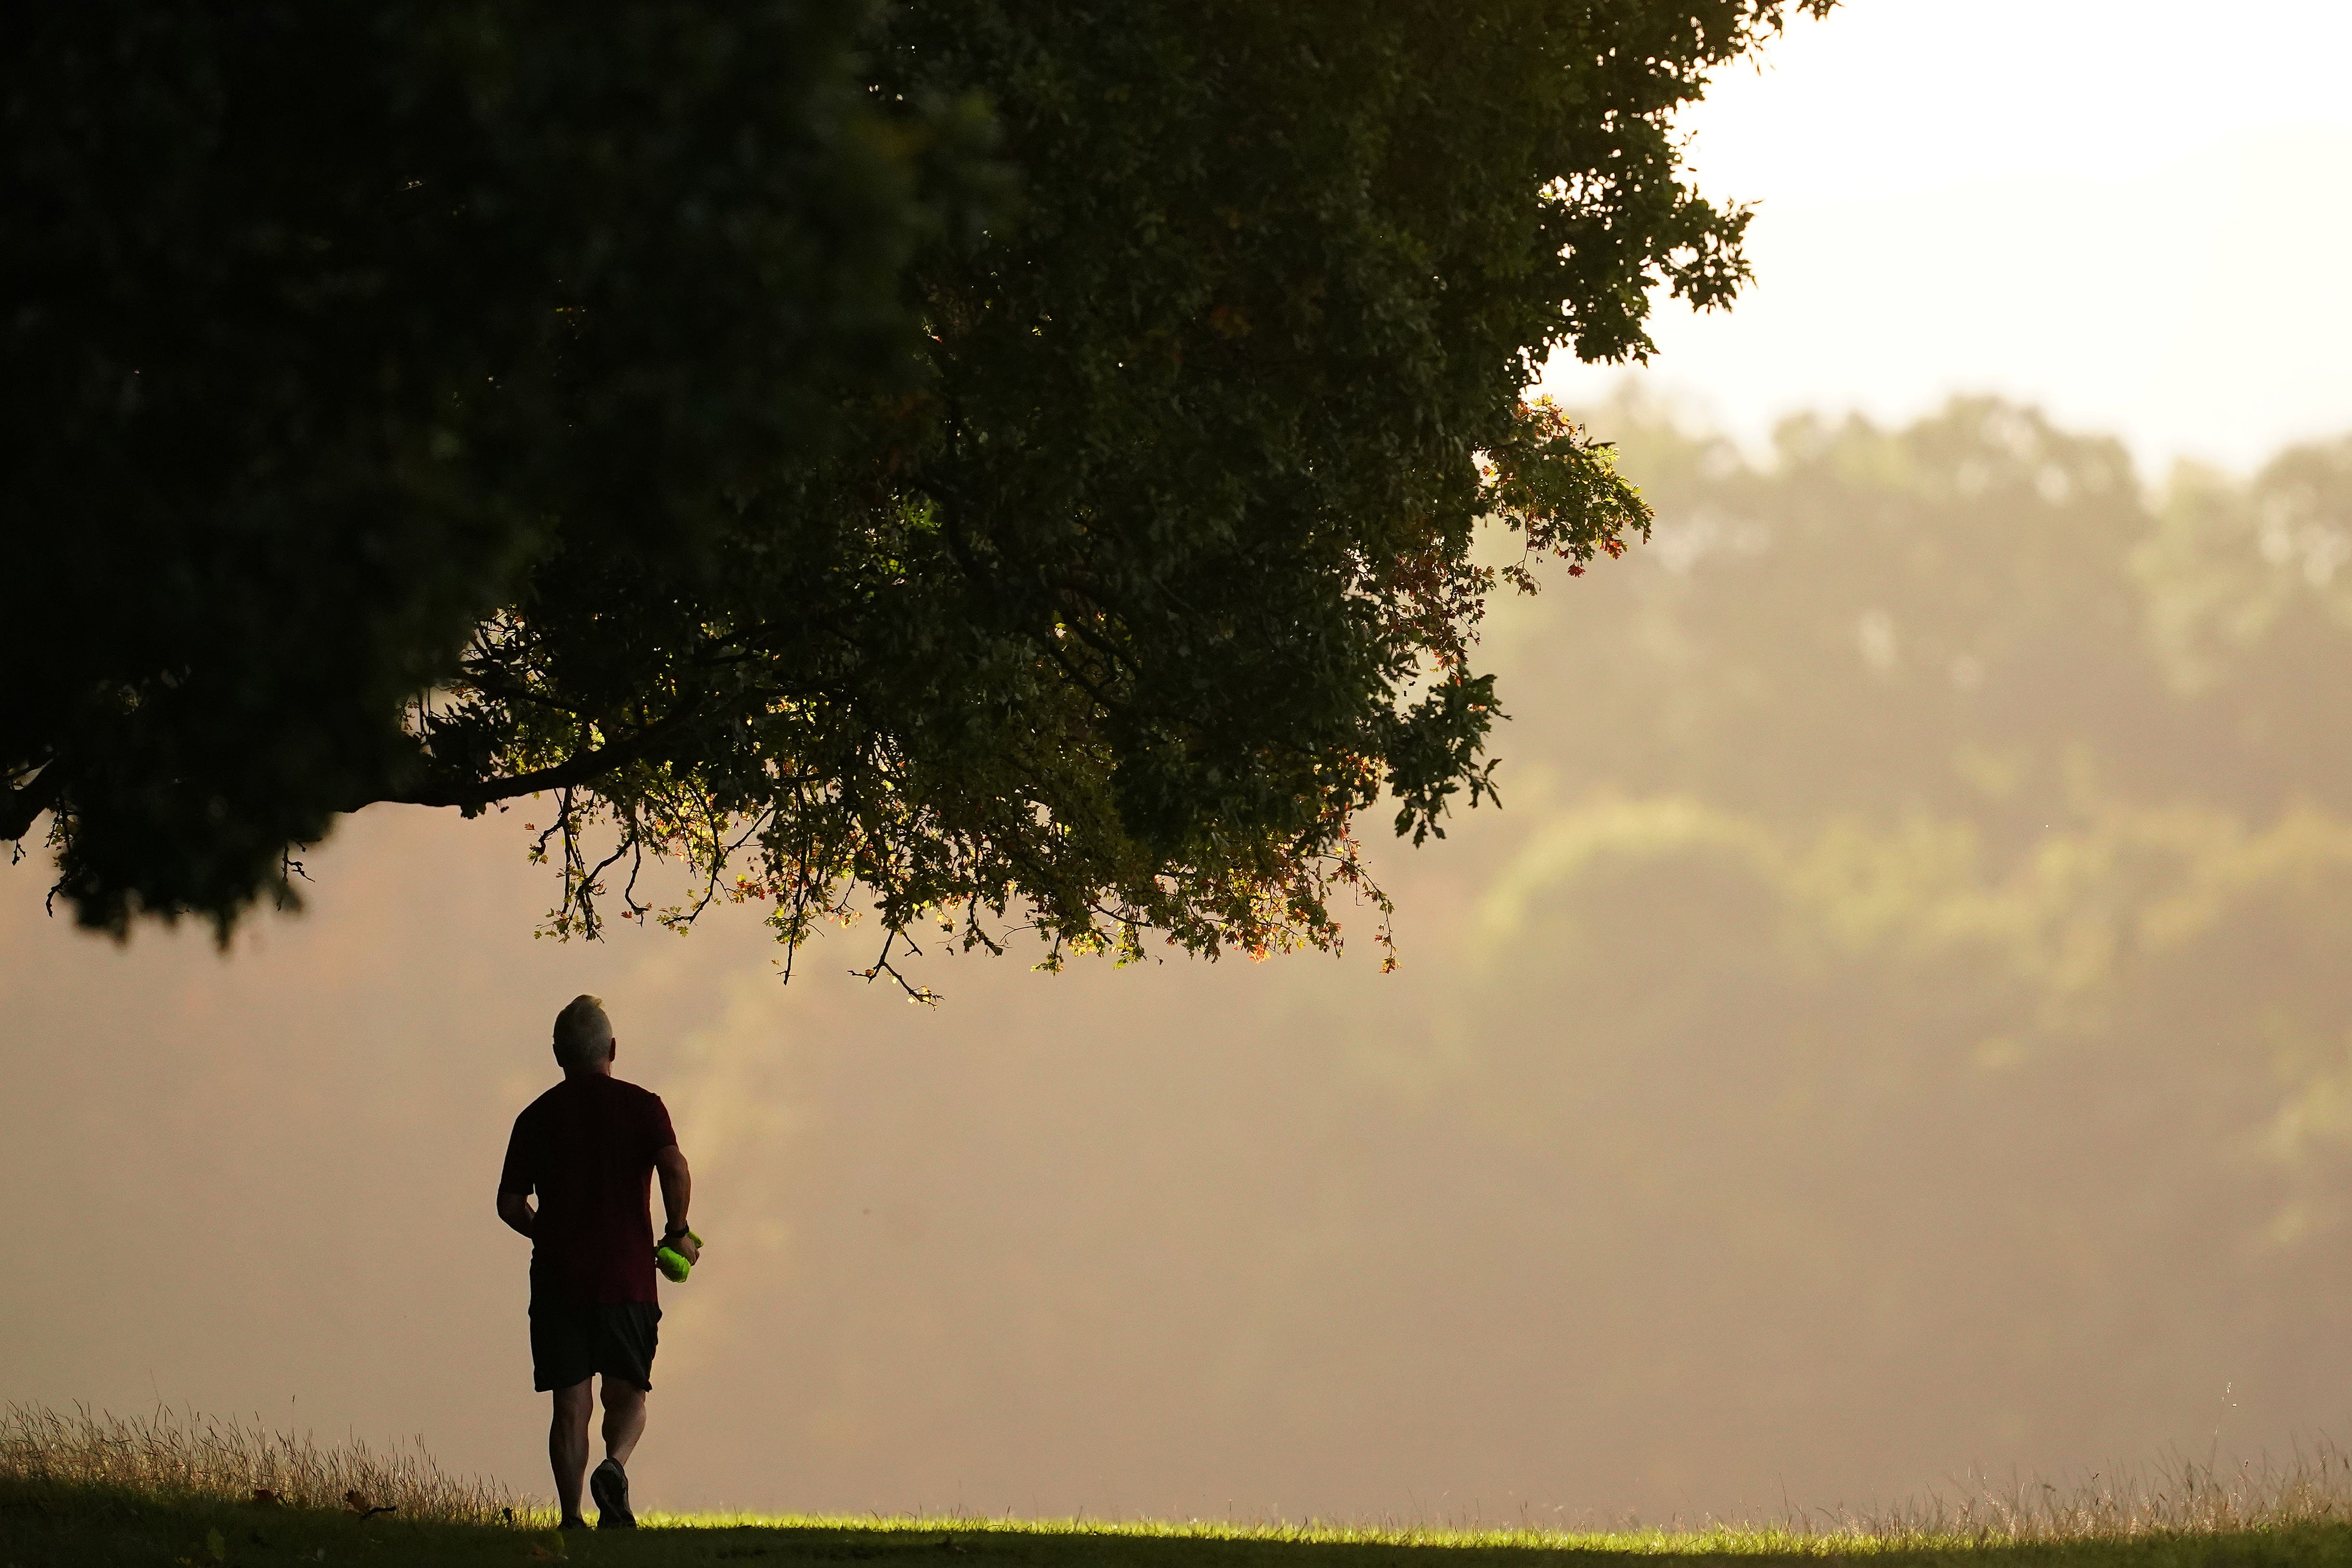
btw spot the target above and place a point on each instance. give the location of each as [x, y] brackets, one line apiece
[1958, 754]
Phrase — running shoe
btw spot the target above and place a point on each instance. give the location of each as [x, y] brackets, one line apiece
[609, 1485]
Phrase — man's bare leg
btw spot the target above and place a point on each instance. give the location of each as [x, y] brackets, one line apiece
[624, 1418]
[567, 1443]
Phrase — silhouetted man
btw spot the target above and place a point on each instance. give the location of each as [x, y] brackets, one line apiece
[590, 1146]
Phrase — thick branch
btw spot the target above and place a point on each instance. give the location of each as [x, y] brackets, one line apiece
[580, 768]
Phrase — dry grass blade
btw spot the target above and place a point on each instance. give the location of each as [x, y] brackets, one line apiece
[177, 1454]
[2176, 1496]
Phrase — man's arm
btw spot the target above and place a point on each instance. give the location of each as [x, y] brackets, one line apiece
[517, 1175]
[677, 1186]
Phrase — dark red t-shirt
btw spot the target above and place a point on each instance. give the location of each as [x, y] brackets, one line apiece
[588, 1146]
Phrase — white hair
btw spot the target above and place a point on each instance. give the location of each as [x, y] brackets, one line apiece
[583, 1036]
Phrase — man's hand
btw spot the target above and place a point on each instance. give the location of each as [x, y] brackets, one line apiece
[683, 1244]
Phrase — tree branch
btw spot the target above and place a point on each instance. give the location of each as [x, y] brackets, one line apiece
[471, 795]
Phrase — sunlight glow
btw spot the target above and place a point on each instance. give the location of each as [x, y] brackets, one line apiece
[2133, 215]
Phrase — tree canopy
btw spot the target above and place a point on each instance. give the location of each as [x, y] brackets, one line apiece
[1013, 460]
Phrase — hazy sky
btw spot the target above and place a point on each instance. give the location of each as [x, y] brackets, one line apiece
[2134, 215]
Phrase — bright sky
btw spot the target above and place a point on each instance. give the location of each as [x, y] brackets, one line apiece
[2135, 212]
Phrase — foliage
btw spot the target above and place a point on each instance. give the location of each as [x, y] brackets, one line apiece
[1944, 830]
[324, 322]
[1980, 616]
[1005, 456]
[1960, 696]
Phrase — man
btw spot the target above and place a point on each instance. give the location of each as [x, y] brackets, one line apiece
[590, 1146]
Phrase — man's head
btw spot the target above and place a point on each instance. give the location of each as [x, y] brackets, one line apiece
[584, 1037]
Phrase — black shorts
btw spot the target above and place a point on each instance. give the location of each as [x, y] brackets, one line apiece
[571, 1340]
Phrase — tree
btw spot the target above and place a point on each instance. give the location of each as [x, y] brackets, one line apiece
[1010, 458]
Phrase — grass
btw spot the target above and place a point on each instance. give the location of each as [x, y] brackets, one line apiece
[185, 1457]
[195, 1492]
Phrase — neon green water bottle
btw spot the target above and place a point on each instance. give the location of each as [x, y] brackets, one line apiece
[673, 1263]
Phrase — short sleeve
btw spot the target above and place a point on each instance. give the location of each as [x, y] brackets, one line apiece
[518, 1176]
[658, 1134]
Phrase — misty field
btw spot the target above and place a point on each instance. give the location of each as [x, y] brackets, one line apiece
[183, 1489]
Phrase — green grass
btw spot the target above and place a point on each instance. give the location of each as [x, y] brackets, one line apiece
[196, 1492]
[46, 1524]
